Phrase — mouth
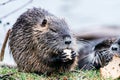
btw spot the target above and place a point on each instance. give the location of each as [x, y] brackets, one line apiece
[65, 49]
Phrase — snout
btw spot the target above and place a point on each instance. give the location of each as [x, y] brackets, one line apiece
[69, 43]
[115, 48]
[67, 39]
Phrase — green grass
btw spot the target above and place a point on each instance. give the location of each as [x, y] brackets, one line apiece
[76, 75]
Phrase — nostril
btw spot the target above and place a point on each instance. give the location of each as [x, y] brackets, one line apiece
[114, 48]
[67, 42]
[67, 39]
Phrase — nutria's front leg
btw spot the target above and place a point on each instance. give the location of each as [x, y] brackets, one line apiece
[102, 58]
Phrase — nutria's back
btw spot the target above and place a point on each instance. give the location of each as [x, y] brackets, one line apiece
[37, 41]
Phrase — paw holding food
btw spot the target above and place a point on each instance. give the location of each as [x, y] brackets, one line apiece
[68, 55]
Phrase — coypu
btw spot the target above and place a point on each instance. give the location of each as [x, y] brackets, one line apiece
[97, 46]
[95, 54]
[37, 42]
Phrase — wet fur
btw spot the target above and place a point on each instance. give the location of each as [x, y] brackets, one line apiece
[95, 54]
[37, 42]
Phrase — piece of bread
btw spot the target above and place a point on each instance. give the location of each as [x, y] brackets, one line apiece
[68, 53]
[112, 70]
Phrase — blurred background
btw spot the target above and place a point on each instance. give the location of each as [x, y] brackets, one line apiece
[82, 15]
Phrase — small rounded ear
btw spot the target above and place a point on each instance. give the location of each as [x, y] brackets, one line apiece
[44, 22]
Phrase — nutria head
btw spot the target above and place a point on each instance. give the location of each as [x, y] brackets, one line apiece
[115, 47]
[53, 35]
[44, 31]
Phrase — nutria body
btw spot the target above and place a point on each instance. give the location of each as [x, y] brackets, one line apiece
[37, 41]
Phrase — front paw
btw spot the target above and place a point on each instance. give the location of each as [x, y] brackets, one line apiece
[73, 54]
[68, 55]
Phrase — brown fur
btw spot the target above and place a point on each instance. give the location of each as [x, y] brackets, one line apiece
[37, 42]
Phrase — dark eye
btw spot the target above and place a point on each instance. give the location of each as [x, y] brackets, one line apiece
[44, 22]
[53, 30]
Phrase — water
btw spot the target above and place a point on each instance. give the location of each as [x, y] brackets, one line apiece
[80, 14]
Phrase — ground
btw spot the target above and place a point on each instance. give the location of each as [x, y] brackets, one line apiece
[13, 74]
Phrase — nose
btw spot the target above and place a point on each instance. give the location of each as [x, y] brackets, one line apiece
[68, 42]
[114, 48]
[67, 39]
